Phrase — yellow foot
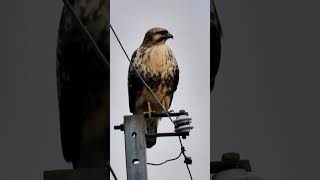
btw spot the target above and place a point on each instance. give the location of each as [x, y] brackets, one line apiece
[149, 110]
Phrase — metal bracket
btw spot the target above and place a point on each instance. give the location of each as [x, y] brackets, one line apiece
[135, 144]
[182, 134]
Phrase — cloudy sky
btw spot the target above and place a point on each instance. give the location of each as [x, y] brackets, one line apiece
[188, 21]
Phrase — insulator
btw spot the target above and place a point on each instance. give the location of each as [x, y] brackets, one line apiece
[183, 123]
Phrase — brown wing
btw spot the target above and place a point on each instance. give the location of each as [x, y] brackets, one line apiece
[82, 82]
[134, 84]
[175, 83]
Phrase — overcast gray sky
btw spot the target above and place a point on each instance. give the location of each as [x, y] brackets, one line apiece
[188, 21]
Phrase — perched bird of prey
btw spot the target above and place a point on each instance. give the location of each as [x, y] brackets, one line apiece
[157, 65]
[83, 84]
[215, 43]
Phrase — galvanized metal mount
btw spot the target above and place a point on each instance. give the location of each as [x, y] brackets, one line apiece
[135, 142]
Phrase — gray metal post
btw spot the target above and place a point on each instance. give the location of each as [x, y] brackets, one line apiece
[135, 143]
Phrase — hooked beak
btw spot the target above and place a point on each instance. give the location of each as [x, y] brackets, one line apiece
[169, 36]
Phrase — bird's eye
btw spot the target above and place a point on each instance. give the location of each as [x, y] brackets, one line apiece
[163, 32]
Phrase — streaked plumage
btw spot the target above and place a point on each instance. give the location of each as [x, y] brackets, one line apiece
[83, 85]
[156, 63]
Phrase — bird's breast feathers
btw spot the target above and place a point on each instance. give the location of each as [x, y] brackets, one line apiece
[158, 67]
[156, 61]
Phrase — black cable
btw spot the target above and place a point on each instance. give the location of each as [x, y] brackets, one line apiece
[187, 159]
[158, 164]
[189, 172]
[104, 60]
[108, 166]
[113, 174]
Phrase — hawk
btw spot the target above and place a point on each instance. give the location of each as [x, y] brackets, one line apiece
[157, 65]
[83, 84]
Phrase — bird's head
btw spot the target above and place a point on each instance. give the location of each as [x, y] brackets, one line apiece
[156, 36]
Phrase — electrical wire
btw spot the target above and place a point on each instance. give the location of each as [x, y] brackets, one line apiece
[112, 172]
[158, 164]
[104, 60]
